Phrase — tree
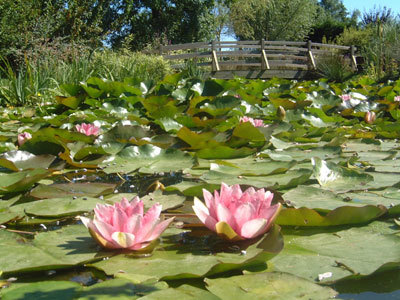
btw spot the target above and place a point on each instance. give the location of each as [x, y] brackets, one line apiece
[26, 25]
[273, 19]
[377, 15]
[159, 21]
[332, 19]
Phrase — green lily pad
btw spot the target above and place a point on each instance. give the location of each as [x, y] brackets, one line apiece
[21, 160]
[149, 159]
[273, 285]
[339, 216]
[198, 256]
[183, 292]
[340, 179]
[20, 181]
[67, 247]
[59, 207]
[289, 179]
[251, 167]
[57, 190]
[349, 252]
[110, 289]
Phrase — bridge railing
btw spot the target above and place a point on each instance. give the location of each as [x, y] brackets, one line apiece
[258, 58]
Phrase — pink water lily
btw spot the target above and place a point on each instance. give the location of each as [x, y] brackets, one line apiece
[123, 225]
[23, 137]
[237, 215]
[345, 97]
[254, 122]
[88, 129]
[397, 98]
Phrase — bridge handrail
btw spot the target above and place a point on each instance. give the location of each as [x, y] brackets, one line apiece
[270, 54]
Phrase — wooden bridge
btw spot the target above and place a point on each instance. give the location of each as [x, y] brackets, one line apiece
[257, 59]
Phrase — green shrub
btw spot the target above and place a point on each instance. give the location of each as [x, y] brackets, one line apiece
[334, 67]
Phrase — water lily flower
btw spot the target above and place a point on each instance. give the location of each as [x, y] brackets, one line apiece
[254, 122]
[23, 137]
[397, 98]
[123, 225]
[88, 129]
[345, 97]
[236, 215]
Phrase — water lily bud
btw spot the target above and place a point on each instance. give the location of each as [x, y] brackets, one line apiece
[23, 137]
[281, 113]
[370, 117]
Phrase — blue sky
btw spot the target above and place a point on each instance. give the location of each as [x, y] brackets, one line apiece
[367, 5]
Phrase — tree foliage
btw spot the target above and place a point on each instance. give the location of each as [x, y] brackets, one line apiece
[158, 21]
[332, 19]
[273, 19]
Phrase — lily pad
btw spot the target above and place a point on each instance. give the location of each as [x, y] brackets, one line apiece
[198, 256]
[272, 285]
[57, 190]
[20, 181]
[337, 178]
[309, 252]
[67, 247]
[21, 160]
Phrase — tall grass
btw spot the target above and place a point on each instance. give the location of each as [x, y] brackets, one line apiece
[382, 53]
[37, 81]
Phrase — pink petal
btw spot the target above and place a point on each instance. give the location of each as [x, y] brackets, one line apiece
[119, 219]
[159, 228]
[202, 213]
[224, 215]
[136, 206]
[150, 220]
[267, 212]
[208, 197]
[244, 213]
[236, 191]
[254, 228]
[104, 229]
[133, 224]
[104, 212]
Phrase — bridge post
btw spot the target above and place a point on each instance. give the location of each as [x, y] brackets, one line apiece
[264, 59]
[353, 57]
[214, 59]
[311, 55]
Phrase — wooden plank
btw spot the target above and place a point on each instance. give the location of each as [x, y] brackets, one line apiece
[291, 74]
[320, 45]
[272, 64]
[285, 48]
[186, 46]
[187, 55]
[289, 43]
